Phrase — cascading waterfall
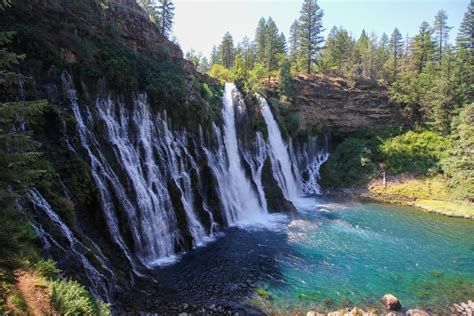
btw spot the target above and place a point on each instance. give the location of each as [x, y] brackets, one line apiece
[310, 157]
[255, 158]
[144, 171]
[239, 201]
[102, 173]
[286, 162]
[95, 278]
[278, 152]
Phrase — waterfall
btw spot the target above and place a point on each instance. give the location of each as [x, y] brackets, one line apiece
[310, 157]
[255, 158]
[102, 174]
[280, 158]
[239, 201]
[95, 278]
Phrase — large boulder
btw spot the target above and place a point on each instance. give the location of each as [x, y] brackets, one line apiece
[391, 302]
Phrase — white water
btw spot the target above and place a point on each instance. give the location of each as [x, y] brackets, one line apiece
[96, 279]
[256, 158]
[281, 163]
[239, 200]
[138, 159]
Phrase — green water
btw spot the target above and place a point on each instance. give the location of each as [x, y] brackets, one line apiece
[351, 253]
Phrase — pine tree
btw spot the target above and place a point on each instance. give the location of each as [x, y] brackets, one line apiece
[227, 51]
[465, 36]
[215, 56]
[166, 16]
[383, 55]
[272, 46]
[342, 51]
[310, 32]
[286, 84]
[423, 46]
[282, 44]
[396, 49]
[441, 32]
[361, 58]
[373, 55]
[248, 53]
[294, 29]
[261, 40]
[204, 66]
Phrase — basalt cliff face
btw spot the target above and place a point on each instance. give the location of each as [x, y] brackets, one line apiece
[338, 104]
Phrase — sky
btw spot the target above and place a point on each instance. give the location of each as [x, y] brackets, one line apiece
[200, 24]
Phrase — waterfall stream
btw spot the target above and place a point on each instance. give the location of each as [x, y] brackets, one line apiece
[240, 202]
[279, 155]
[152, 177]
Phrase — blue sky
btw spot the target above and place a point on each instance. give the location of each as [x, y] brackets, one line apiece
[199, 24]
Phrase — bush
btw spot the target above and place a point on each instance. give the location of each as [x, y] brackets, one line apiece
[71, 298]
[47, 269]
[350, 164]
[418, 152]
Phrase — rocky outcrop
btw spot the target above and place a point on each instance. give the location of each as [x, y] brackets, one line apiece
[336, 103]
[137, 30]
[391, 302]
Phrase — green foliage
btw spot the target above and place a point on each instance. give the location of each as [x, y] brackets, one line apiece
[310, 32]
[415, 152]
[70, 298]
[18, 302]
[350, 164]
[459, 162]
[286, 85]
[47, 269]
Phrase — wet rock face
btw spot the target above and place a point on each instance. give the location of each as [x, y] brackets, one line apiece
[332, 102]
[391, 302]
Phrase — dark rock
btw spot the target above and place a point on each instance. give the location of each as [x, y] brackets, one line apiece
[391, 302]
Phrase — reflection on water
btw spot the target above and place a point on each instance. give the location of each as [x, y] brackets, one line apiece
[339, 253]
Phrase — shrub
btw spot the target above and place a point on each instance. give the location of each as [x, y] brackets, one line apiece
[418, 152]
[47, 269]
[71, 298]
[350, 164]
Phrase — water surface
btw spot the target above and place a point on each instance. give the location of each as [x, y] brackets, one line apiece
[334, 253]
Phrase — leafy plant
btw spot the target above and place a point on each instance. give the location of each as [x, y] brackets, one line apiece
[47, 269]
[71, 298]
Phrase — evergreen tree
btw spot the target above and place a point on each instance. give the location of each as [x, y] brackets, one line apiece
[282, 44]
[294, 29]
[261, 40]
[227, 51]
[423, 46]
[286, 84]
[215, 56]
[441, 33]
[342, 51]
[272, 45]
[328, 62]
[396, 49]
[361, 57]
[383, 55]
[166, 16]
[248, 53]
[310, 32]
[204, 65]
[466, 30]
[373, 56]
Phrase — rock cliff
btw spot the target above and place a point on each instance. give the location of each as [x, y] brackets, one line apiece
[336, 103]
